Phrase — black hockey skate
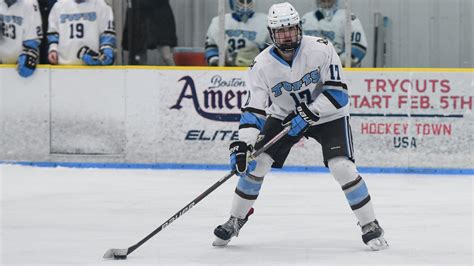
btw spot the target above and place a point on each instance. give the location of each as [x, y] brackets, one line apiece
[229, 229]
[372, 235]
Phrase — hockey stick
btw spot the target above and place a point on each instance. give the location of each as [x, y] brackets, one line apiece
[121, 254]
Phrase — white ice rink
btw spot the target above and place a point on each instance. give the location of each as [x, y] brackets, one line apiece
[61, 216]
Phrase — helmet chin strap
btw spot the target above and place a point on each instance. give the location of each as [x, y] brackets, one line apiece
[286, 48]
[287, 51]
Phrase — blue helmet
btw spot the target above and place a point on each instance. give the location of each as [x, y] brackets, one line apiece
[242, 9]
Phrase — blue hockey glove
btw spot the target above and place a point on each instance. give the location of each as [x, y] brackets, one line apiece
[107, 56]
[89, 56]
[300, 120]
[27, 62]
[239, 157]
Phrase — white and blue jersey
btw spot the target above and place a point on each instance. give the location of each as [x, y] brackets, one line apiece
[333, 28]
[276, 87]
[73, 25]
[20, 29]
[238, 34]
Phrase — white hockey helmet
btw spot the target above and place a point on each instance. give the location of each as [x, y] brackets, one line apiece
[284, 25]
[242, 9]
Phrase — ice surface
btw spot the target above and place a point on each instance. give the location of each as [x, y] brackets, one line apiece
[61, 216]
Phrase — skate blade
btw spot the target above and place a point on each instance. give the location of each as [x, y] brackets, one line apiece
[377, 244]
[220, 243]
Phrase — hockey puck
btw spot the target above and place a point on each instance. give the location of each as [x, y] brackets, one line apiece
[120, 257]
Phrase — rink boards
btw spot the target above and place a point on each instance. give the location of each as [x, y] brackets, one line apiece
[408, 118]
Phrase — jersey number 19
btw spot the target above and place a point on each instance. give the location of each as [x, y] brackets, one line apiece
[77, 31]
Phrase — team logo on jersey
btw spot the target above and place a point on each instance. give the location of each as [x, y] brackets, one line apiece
[90, 16]
[251, 35]
[220, 101]
[307, 79]
[11, 19]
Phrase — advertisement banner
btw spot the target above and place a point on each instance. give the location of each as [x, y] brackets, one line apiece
[398, 118]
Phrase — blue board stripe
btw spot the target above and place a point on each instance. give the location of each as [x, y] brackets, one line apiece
[314, 169]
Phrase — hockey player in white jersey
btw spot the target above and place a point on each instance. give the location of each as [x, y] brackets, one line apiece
[20, 34]
[296, 82]
[81, 32]
[245, 35]
[328, 21]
